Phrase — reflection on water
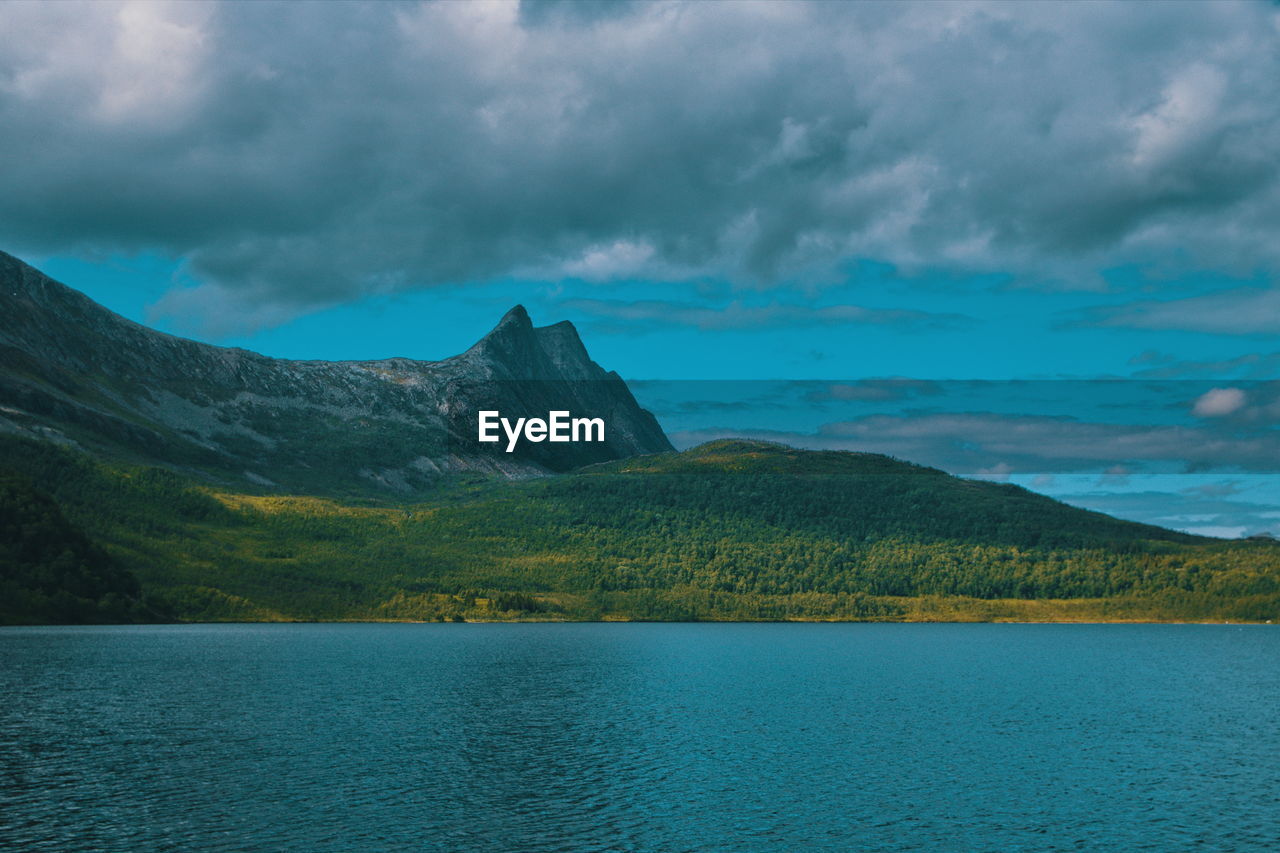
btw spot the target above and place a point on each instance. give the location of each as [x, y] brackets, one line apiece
[639, 737]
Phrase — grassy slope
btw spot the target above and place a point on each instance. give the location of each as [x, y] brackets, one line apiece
[727, 531]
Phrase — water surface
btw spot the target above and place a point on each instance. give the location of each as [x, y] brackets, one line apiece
[640, 737]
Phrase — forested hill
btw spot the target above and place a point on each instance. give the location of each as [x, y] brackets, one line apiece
[729, 530]
[849, 495]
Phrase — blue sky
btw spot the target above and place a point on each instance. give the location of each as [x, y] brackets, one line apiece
[738, 192]
[985, 330]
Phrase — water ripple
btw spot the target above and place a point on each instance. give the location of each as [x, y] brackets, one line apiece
[640, 737]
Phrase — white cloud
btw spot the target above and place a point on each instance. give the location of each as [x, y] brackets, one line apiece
[1219, 532]
[1186, 112]
[1219, 401]
[999, 472]
[156, 58]
[619, 259]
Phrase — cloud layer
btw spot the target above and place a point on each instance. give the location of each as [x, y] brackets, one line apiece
[642, 315]
[1236, 311]
[299, 155]
[988, 444]
[1107, 428]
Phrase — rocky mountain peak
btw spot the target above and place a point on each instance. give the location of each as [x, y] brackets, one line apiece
[516, 349]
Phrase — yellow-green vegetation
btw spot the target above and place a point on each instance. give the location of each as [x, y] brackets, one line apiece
[732, 530]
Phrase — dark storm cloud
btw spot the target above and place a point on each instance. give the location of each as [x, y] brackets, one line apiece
[297, 155]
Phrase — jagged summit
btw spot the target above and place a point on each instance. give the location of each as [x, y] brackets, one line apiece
[514, 324]
[73, 371]
[517, 315]
[523, 351]
[512, 340]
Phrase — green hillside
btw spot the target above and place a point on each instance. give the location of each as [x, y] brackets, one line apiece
[729, 530]
[847, 496]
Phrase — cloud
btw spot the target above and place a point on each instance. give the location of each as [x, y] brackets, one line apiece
[1217, 402]
[1248, 366]
[1115, 476]
[1258, 408]
[982, 443]
[999, 472]
[1215, 490]
[619, 259]
[1153, 357]
[1204, 514]
[1239, 311]
[648, 314]
[876, 390]
[300, 155]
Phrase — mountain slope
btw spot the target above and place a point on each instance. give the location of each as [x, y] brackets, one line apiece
[73, 371]
[731, 530]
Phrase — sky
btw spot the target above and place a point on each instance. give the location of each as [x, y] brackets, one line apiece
[738, 200]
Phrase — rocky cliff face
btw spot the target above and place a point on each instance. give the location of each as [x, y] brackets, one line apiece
[72, 371]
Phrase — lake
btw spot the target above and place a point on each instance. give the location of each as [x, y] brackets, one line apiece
[653, 737]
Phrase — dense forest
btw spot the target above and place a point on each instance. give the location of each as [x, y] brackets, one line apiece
[730, 530]
[51, 572]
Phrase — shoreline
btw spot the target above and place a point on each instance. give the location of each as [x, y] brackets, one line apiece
[1241, 622]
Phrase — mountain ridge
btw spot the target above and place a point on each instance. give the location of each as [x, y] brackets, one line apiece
[73, 371]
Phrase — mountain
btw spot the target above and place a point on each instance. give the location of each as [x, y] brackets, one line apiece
[134, 467]
[73, 372]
